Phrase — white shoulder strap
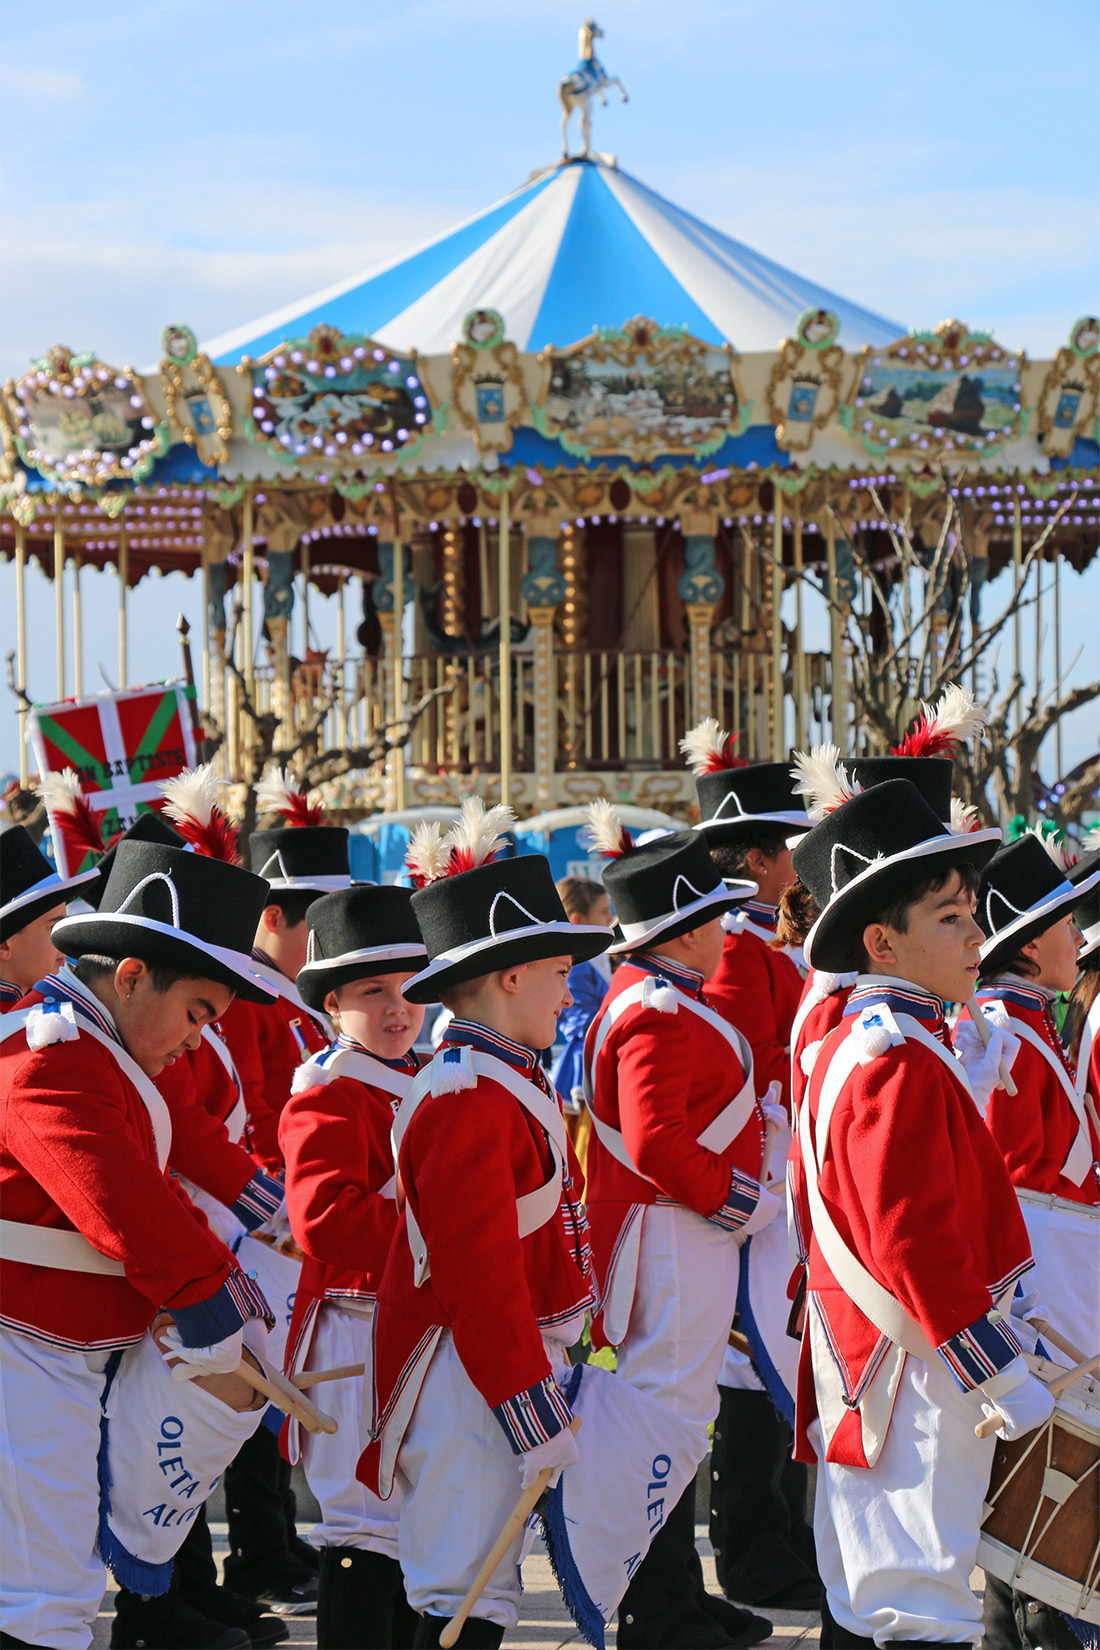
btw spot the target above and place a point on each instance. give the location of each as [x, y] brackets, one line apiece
[238, 1116]
[1089, 1033]
[51, 1246]
[883, 1309]
[1079, 1158]
[357, 1063]
[721, 1129]
[533, 1209]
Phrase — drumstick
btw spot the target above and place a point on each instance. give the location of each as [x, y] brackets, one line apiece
[994, 1423]
[982, 1025]
[1049, 1333]
[284, 1395]
[517, 1518]
[314, 1377]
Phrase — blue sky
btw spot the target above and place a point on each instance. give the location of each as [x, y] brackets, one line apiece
[180, 160]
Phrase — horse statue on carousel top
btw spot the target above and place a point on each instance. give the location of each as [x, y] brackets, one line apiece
[576, 89]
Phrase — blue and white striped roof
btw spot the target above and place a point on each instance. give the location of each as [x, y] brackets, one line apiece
[582, 245]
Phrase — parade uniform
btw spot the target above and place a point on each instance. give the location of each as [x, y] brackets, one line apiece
[97, 1238]
[268, 1043]
[758, 989]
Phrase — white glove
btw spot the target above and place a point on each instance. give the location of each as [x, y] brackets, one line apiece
[1027, 1313]
[772, 1204]
[557, 1452]
[220, 1359]
[771, 1104]
[982, 1063]
[254, 1335]
[1022, 1402]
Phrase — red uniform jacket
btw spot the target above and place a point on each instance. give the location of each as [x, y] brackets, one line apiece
[757, 989]
[200, 1094]
[661, 1076]
[77, 1151]
[335, 1137]
[1088, 1055]
[1036, 1126]
[464, 1160]
[268, 1043]
[918, 1191]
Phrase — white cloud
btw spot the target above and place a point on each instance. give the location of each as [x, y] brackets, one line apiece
[33, 81]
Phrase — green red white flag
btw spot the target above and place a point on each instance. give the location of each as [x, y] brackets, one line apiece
[122, 746]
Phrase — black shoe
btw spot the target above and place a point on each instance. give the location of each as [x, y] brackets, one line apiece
[294, 1596]
[141, 1624]
[740, 1626]
[476, 1634]
[234, 1610]
[306, 1554]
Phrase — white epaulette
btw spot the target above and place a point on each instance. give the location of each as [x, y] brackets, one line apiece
[659, 994]
[874, 1032]
[310, 1074]
[48, 1026]
[808, 1058]
[453, 1070]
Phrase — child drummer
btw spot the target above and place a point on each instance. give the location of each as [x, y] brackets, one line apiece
[916, 1238]
[364, 945]
[487, 1280]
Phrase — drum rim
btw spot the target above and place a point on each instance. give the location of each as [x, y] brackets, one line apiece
[1041, 1573]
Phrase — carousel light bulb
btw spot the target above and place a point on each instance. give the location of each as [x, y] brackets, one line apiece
[135, 401]
[147, 423]
[318, 441]
[372, 530]
[285, 439]
[378, 354]
[357, 448]
[420, 418]
[387, 446]
[358, 352]
[66, 389]
[269, 374]
[330, 451]
[297, 357]
[330, 371]
[299, 448]
[341, 437]
[346, 363]
[420, 400]
[402, 435]
[368, 440]
[393, 366]
[267, 427]
[258, 391]
[277, 361]
[121, 383]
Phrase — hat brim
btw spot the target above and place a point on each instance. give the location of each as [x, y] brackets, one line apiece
[859, 902]
[317, 979]
[307, 885]
[1092, 942]
[116, 934]
[636, 936]
[1086, 865]
[581, 941]
[1008, 942]
[720, 832]
[36, 901]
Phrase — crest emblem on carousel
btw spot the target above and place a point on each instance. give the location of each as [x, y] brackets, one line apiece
[487, 388]
[947, 391]
[807, 381]
[336, 400]
[197, 406]
[83, 422]
[1069, 405]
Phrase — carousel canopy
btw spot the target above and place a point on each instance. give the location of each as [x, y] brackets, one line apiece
[582, 245]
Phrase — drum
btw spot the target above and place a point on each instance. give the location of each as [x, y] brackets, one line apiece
[1041, 1533]
[1065, 1240]
[276, 1265]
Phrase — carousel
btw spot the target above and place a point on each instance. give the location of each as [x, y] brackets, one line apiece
[560, 466]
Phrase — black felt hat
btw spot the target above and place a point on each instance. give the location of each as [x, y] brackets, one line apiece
[931, 775]
[179, 908]
[734, 802]
[1023, 892]
[29, 885]
[302, 857]
[358, 932]
[870, 852]
[501, 913]
[147, 827]
[1088, 912]
[665, 888]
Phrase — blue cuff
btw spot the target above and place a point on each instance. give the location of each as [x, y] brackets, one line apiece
[980, 1351]
[531, 1417]
[261, 1198]
[744, 1195]
[222, 1313]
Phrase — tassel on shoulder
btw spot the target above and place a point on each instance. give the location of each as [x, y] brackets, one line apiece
[49, 1023]
[453, 1071]
[658, 994]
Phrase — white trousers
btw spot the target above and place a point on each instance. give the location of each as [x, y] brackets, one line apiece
[680, 1318]
[51, 1578]
[896, 1542]
[351, 1516]
[459, 1481]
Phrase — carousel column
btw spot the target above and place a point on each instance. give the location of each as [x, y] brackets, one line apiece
[278, 606]
[701, 587]
[778, 739]
[393, 590]
[21, 643]
[504, 591]
[78, 632]
[836, 639]
[543, 589]
[123, 584]
[248, 662]
[453, 551]
[798, 672]
[59, 596]
[574, 631]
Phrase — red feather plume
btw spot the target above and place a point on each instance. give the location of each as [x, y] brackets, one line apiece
[275, 794]
[191, 803]
[72, 818]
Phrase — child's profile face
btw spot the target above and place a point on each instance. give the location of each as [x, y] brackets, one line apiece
[375, 1014]
[1054, 952]
[157, 1027]
[29, 955]
[939, 951]
[542, 995]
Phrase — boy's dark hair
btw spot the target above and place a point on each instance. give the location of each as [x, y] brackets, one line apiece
[579, 895]
[292, 902]
[91, 967]
[896, 916]
[1019, 964]
[732, 858]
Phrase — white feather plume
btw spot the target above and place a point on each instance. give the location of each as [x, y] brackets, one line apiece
[958, 715]
[1090, 842]
[604, 829]
[707, 747]
[1055, 850]
[822, 780]
[191, 795]
[478, 832]
[427, 857]
[964, 817]
[273, 793]
[60, 790]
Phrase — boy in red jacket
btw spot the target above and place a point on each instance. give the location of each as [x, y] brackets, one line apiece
[673, 1173]
[32, 900]
[364, 945]
[915, 1238]
[97, 1238]
[487, 1280]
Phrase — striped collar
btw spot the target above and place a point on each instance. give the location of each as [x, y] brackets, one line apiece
[764, 916]
[1021, 993]
[405, 1062]
[10, 992]
[687, 979]
[64, 987]
[900, 997]
[468, 1034]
